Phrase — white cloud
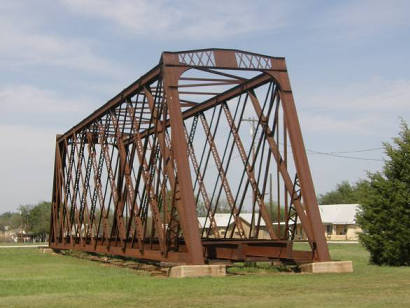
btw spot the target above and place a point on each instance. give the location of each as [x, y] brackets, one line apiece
[133, 15]
[40, 107]
[328, 123]
[185, 19]
[215, 19]
[27, 98]
[359, 19]
[22, 44]
[365, 108]
[376, 94]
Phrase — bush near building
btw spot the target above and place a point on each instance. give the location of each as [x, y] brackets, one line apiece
[385, 207]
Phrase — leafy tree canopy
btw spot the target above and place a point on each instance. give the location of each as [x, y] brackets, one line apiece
[31, 218]
[39, 218]
[10, 220]
[344, 193]
[385, 207]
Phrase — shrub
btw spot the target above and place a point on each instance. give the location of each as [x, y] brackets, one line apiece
[385, 207]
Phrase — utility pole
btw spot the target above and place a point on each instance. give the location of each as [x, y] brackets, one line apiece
[253, 132]
[270, 195]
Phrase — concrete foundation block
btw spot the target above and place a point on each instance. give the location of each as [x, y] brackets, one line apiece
[328, 267]
[182, 271]
[47, 250]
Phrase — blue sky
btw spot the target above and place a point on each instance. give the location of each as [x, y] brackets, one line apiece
[62, 59]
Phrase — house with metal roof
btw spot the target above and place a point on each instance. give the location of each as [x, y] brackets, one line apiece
[225, 224]
[339, 221]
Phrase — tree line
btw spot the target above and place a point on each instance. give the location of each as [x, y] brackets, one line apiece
[34, 219]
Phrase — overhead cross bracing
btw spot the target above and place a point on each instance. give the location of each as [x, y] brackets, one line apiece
[147, 174]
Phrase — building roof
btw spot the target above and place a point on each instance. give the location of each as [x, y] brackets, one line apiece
[339, 214]
[343, 214]
[247, 217]
[222, 219]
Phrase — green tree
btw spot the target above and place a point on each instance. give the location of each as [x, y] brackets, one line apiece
[385, 207]
[272, 208]
[201, 209]
[10, 220]
[344, 193]
[39, 219]
[223, 206]
[25, 213]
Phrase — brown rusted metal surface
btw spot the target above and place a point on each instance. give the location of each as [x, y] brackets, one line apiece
[167, 169]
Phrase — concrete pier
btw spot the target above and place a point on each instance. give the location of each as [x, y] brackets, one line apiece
[328, 267]
[182, 271]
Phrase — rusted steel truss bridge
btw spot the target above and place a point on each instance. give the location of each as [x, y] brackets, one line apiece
[167, 169]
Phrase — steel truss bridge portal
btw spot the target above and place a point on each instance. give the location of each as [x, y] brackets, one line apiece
[148, 174]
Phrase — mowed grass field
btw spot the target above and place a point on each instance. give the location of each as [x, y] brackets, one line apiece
[29, 278]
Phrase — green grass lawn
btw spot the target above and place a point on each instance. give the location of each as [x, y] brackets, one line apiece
[29, 278]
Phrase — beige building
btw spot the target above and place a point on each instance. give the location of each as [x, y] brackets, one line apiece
[339, 221]
[224, 225]
[9, 235]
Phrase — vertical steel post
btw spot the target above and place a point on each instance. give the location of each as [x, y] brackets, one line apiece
[189, 219]
[302, 165]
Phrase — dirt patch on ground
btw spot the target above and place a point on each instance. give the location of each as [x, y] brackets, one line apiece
[152, 269]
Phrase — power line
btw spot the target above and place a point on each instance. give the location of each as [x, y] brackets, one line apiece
[335, 154]
[357, 151]
[343, 156]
